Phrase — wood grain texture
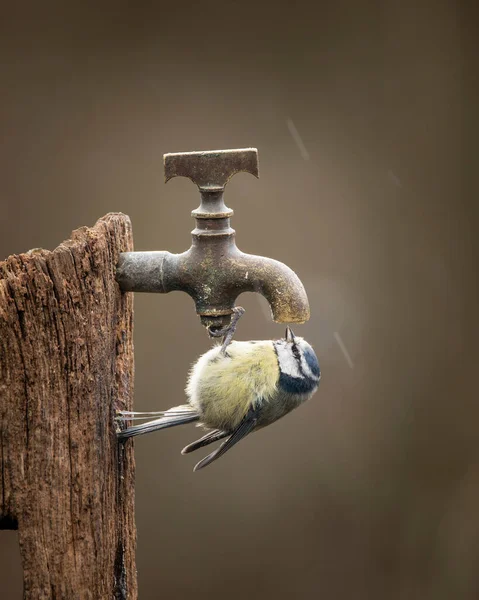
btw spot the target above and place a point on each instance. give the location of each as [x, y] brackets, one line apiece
[66, 365]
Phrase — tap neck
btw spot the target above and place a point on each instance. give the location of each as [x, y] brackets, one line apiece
[212, 205]
[212, 216]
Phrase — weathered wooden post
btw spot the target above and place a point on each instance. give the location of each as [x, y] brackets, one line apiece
[66, 365]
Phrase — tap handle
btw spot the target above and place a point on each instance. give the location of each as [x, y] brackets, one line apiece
[212, 169]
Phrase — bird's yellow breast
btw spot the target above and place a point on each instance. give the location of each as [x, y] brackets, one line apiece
[222, 388]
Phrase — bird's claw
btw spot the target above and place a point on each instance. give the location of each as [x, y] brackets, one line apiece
[228, 332]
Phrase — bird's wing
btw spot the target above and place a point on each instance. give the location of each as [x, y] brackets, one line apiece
[246, 426]
[209, 438]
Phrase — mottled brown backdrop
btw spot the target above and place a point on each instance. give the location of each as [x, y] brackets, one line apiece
[360, 111]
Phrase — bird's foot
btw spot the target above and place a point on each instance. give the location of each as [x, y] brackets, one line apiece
[228, 332]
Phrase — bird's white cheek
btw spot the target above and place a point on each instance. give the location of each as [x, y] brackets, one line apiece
[287, 362]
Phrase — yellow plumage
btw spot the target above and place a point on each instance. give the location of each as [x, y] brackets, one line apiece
[222, 388]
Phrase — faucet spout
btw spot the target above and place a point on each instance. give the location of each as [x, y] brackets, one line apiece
[279, 284]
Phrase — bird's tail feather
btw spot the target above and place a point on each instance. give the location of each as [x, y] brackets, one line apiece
[170, 418]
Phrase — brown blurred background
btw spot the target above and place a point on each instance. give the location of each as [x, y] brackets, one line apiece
[360, 112]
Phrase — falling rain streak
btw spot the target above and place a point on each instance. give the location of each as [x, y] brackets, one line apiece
[343, 349]
[297, 138]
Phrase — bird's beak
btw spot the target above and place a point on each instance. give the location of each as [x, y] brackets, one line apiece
[289, 337]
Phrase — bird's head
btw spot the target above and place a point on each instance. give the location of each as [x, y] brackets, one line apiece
[298, 364]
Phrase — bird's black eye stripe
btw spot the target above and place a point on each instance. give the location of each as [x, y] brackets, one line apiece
[296, 352]
[297, 356]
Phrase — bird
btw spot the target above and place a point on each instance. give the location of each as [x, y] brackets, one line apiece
[236, 389]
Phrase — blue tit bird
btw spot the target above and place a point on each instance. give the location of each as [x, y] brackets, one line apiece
[236, 389]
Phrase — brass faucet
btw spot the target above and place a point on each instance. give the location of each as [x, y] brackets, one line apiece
[214, 272]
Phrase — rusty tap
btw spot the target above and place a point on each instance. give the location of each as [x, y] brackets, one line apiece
[214, 272]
